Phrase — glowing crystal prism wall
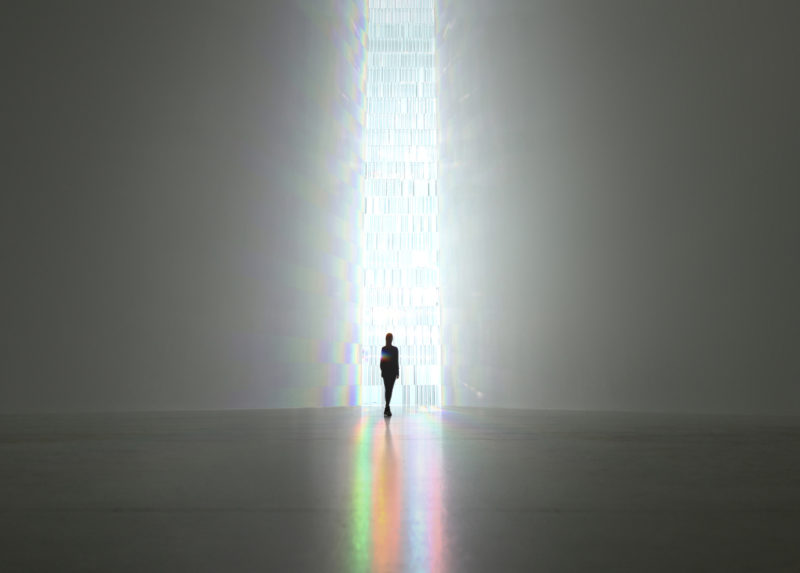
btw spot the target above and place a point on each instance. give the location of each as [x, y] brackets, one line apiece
[400, 203]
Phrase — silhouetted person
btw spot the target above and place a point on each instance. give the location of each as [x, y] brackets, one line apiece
[390, 369]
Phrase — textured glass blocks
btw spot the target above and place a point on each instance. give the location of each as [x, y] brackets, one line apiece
[400, 204]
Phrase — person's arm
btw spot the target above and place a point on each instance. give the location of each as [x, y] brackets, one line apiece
[398, 365]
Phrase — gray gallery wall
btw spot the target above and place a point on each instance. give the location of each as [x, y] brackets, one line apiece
[621, 204]
[178, 203]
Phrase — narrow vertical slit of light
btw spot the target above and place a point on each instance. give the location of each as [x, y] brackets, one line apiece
[400, 204]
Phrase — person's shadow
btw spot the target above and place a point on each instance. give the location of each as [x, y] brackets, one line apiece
[388, 446]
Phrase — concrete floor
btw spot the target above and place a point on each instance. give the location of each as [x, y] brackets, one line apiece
[341, 489]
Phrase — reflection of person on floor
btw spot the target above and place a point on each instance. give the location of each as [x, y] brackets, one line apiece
[390, 369]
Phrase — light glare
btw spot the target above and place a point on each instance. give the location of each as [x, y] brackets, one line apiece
[400, 203]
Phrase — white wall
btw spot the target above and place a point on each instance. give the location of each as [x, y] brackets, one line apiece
[178, 204]
[620, 204]
[177, 216]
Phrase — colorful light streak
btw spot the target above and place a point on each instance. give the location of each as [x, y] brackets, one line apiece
[360, 541]
[397, 515]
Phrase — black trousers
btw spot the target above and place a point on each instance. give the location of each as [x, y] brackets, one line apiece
[388, 384]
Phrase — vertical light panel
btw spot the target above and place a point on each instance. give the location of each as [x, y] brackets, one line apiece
[400, 204]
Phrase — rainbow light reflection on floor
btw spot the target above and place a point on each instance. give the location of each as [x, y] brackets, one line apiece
[397, 517]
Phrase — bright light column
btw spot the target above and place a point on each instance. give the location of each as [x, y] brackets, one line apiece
[400, 240]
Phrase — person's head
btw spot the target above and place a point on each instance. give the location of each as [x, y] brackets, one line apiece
[389, 338]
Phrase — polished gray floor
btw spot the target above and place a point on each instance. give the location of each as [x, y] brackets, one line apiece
[342, 489]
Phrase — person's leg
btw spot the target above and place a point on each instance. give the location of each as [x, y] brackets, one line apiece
[388, 384]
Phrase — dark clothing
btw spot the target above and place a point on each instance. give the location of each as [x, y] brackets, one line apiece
[388, 384]
[390, 369]
[390, 362]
